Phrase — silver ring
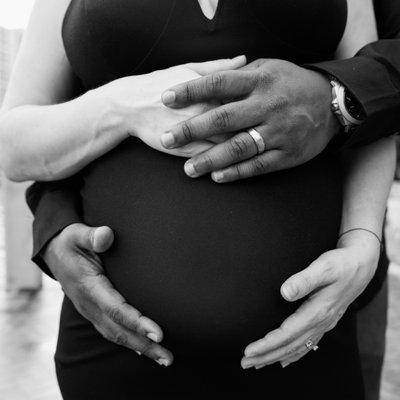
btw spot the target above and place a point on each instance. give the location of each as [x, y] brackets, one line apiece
[258, 140]
[311, 345]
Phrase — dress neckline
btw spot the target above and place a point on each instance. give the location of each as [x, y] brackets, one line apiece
[210, 22]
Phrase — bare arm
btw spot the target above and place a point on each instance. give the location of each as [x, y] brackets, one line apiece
[44, 135]
[370, 169]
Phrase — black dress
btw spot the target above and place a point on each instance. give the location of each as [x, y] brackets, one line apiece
[205, 261]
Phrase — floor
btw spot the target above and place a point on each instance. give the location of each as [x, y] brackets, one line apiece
[28, 329]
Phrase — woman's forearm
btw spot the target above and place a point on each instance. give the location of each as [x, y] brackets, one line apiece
[369, 175]
[49, 142]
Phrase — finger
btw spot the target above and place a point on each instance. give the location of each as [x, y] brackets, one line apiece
[112, 304]
[123, 337]
[297, 346]
[103, 238]
[317, 275]
[238, 148]
[307, 317]
[297, 356]
[226, 118]
[217, 86]
[192, 149]
[270, 161]
[88, 238]
[210, 67]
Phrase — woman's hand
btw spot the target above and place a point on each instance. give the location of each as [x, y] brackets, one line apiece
[136, 100]
[72, 258]
[332, 282]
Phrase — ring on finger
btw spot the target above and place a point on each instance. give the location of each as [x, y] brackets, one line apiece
[258, 139]
[311, 346]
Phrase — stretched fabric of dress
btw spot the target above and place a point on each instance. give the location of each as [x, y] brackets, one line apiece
[205, 261]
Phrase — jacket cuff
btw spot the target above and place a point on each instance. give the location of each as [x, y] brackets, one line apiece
[367, 79]
[376, 86]
[54, 212]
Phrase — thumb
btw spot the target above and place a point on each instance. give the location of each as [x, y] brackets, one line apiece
[96, 239]
[225, 64]
[305, 282]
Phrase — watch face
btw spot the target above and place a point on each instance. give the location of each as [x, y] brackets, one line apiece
[353, 107]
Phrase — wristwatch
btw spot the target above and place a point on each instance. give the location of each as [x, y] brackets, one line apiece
[346, 107]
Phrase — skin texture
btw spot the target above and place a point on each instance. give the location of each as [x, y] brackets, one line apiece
[94, 123]
[288, 105]
[72, 257]
[345, 272]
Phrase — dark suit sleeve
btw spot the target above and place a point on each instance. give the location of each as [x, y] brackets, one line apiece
[373, 77]
[55, 205]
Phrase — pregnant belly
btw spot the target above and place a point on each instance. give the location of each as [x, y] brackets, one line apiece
[206, 261]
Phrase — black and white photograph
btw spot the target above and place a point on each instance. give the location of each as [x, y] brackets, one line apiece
[199, 199]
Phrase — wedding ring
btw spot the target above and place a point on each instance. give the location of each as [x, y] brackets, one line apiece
[311, 345]
[258, 140]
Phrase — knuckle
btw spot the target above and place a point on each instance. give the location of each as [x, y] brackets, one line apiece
[239, 147]
[287, 340]
[216, 82]
[85, 288]
[204, 164]
[291, 351]
[120, 338]
[187, 131]
[265, 78]
[104, 333]
[188, 93]
[146, 349]
[115, 314]
[259, 166]
[220, 119]
[237, 172]
[277, 104]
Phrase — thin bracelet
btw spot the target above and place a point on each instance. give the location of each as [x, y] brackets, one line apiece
[362, 229]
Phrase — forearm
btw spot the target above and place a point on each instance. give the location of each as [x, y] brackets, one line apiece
[50, 142]
[368, 177]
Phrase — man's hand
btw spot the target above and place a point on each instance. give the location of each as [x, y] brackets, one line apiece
[288, 105]
[332, 282]
[71, 257]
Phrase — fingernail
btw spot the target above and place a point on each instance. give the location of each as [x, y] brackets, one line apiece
[138, 353]
[167, 139]
[163, 361]
[250, 352]
[168, 97]
[217, 176]
[246, 364]
[189, 169]
[284, 364]
[152, 336]
[289, 293]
